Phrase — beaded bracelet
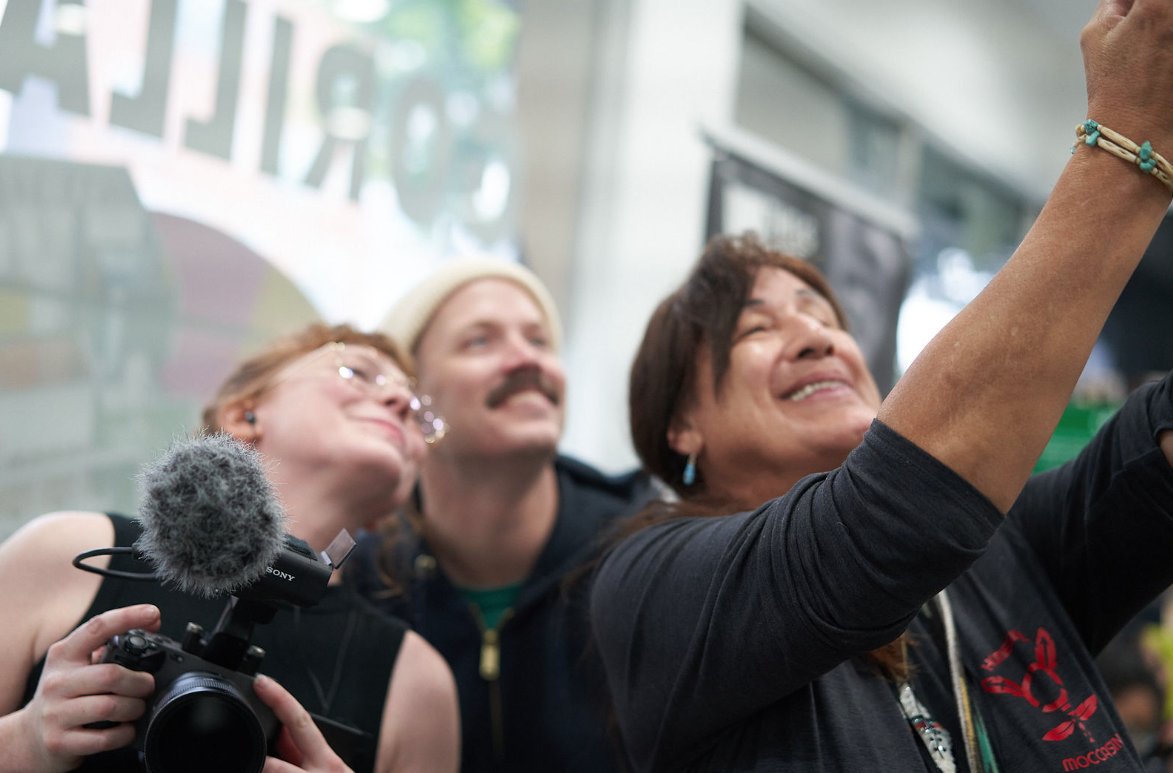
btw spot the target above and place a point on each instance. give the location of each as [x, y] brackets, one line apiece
[1149, 161]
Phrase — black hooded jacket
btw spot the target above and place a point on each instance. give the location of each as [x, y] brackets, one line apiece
[545, 710]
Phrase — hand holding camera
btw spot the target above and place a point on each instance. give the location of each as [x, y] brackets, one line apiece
[300, 746]
[73, 692]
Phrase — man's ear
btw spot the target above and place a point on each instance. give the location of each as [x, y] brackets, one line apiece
[239, 420]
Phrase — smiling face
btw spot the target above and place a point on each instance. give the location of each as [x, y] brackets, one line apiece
[486, 360]
[344, 409]
[795, 399]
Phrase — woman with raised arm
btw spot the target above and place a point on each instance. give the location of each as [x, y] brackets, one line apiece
[905, 598]
[329, 410]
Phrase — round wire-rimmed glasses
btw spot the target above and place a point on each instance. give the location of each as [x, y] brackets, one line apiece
[363, 370]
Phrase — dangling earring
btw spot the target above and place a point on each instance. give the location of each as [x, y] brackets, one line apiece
[690, 470]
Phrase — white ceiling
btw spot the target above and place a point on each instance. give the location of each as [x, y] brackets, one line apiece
[1063, 18]
[1001, 81]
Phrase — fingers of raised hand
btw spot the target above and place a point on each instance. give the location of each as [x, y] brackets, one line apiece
[316, 755]
[1128, 58]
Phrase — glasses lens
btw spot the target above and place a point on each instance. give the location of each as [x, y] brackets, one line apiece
[365, 370]
[431, 423]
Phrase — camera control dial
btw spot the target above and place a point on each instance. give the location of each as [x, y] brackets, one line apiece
[136, 644]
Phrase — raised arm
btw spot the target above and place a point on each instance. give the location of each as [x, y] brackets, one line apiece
[986, 394]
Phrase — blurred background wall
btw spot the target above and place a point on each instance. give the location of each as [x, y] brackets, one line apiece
[182, 179]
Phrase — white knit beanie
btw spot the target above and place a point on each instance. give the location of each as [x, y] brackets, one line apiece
[411, 314]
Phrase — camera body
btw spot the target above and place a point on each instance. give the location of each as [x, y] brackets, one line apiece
[199, 708]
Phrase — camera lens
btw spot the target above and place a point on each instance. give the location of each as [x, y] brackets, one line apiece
[202, 723]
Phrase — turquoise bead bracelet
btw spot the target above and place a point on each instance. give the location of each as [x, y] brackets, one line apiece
[1148, 160]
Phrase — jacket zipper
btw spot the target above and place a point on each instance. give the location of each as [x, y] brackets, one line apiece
[490, 669]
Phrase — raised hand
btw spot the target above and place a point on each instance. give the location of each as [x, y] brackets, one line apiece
[1128, 62]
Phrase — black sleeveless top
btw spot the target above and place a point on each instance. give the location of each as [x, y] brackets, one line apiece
[336, 657]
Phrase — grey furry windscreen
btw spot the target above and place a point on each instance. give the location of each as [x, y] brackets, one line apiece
[211, 521]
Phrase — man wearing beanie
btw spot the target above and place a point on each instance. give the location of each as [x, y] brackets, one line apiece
[500, 519]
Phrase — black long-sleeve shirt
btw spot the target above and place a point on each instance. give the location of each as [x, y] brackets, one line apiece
[730, 642]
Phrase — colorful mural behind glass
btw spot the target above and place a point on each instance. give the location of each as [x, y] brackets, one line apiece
[182, 179]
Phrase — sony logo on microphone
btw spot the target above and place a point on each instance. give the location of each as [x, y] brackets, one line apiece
[279, 573]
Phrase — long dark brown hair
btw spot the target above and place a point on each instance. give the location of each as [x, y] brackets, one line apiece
[704, 312]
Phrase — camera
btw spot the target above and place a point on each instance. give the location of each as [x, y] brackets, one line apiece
[204, 715]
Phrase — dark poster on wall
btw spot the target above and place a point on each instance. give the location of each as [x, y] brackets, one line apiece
[866, 263]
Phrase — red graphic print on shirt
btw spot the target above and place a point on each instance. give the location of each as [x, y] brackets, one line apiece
[1040, 682]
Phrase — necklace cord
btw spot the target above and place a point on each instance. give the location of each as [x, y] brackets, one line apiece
[326, 698]
[960, 692]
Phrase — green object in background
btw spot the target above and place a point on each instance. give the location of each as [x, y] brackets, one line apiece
[1076, 427]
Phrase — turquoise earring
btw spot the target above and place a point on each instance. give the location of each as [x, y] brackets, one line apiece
[690, 470]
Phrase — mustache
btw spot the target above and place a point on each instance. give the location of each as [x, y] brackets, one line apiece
[520, 380]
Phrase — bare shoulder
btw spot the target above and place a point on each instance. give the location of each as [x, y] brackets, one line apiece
[421, 721]
[46, 545]
[62, 526]
[37, 559]
[420, 664]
